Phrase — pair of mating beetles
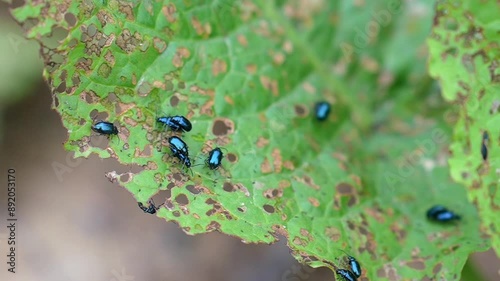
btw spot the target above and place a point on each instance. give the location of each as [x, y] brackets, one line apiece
[354, 271]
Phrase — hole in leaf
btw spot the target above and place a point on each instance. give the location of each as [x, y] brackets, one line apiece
[61, 88]
[193, 189]
[213, 225]
[176, 214]
[70, 19]
[242, 209]
[97, 116]
[418, 265]
[125, 178]
[223, 127]
[182, 199]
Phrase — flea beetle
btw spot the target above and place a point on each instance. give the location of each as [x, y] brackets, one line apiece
[178, 146]
[214, 158]
[105, 128]
[346, 275]
[441, 214]
[322, 110]
[151, 209]
[176, 123]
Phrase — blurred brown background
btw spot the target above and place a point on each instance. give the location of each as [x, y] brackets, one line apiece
[83, 227]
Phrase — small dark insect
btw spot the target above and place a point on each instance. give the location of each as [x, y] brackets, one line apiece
[346, 275]
[441, 214]
[105, 128]
[184, 159]
[484, 147]
[178, 146]
[151, 209]
[214, 158]
[355, 266]
[322, 110]
[180, 150]
[176, 123]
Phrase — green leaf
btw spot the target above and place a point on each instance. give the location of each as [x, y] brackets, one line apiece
[247, 74]
[465, 58]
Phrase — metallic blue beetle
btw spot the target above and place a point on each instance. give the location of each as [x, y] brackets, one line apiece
[178, 146]
[105, 128]
[176, 123]
[151, 209]
[441, 214]
[322, 110]
[355, 266]
[346, 275]
[180, 150]
[214, 158]
[184, 158]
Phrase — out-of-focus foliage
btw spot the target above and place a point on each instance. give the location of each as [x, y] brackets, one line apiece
[247, 74]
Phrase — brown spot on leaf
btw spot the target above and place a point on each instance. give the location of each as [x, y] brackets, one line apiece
[227, 186]
[231, 157]
[370, 64]
[180, 54]
[206, 108]
[301, 110]
[313, 201]
[273, 193]
[128, 42]
[105, 18]
[169, 12]
[276, 154]
[84, 64]
[308, 181]
[304, 232]
[270, 85]
[289, 165]
[126, 9]
[242, 40]
[278, 58]
[299, 241]
[229, 100]
[309, 88]
[287, 46]
[261, 142]
[269, 209]
[201, 29]
[333, 233]
[251, 68]
[344, 188]
[159, 45]
[110, 58]
[265, 167]
[218, 67]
